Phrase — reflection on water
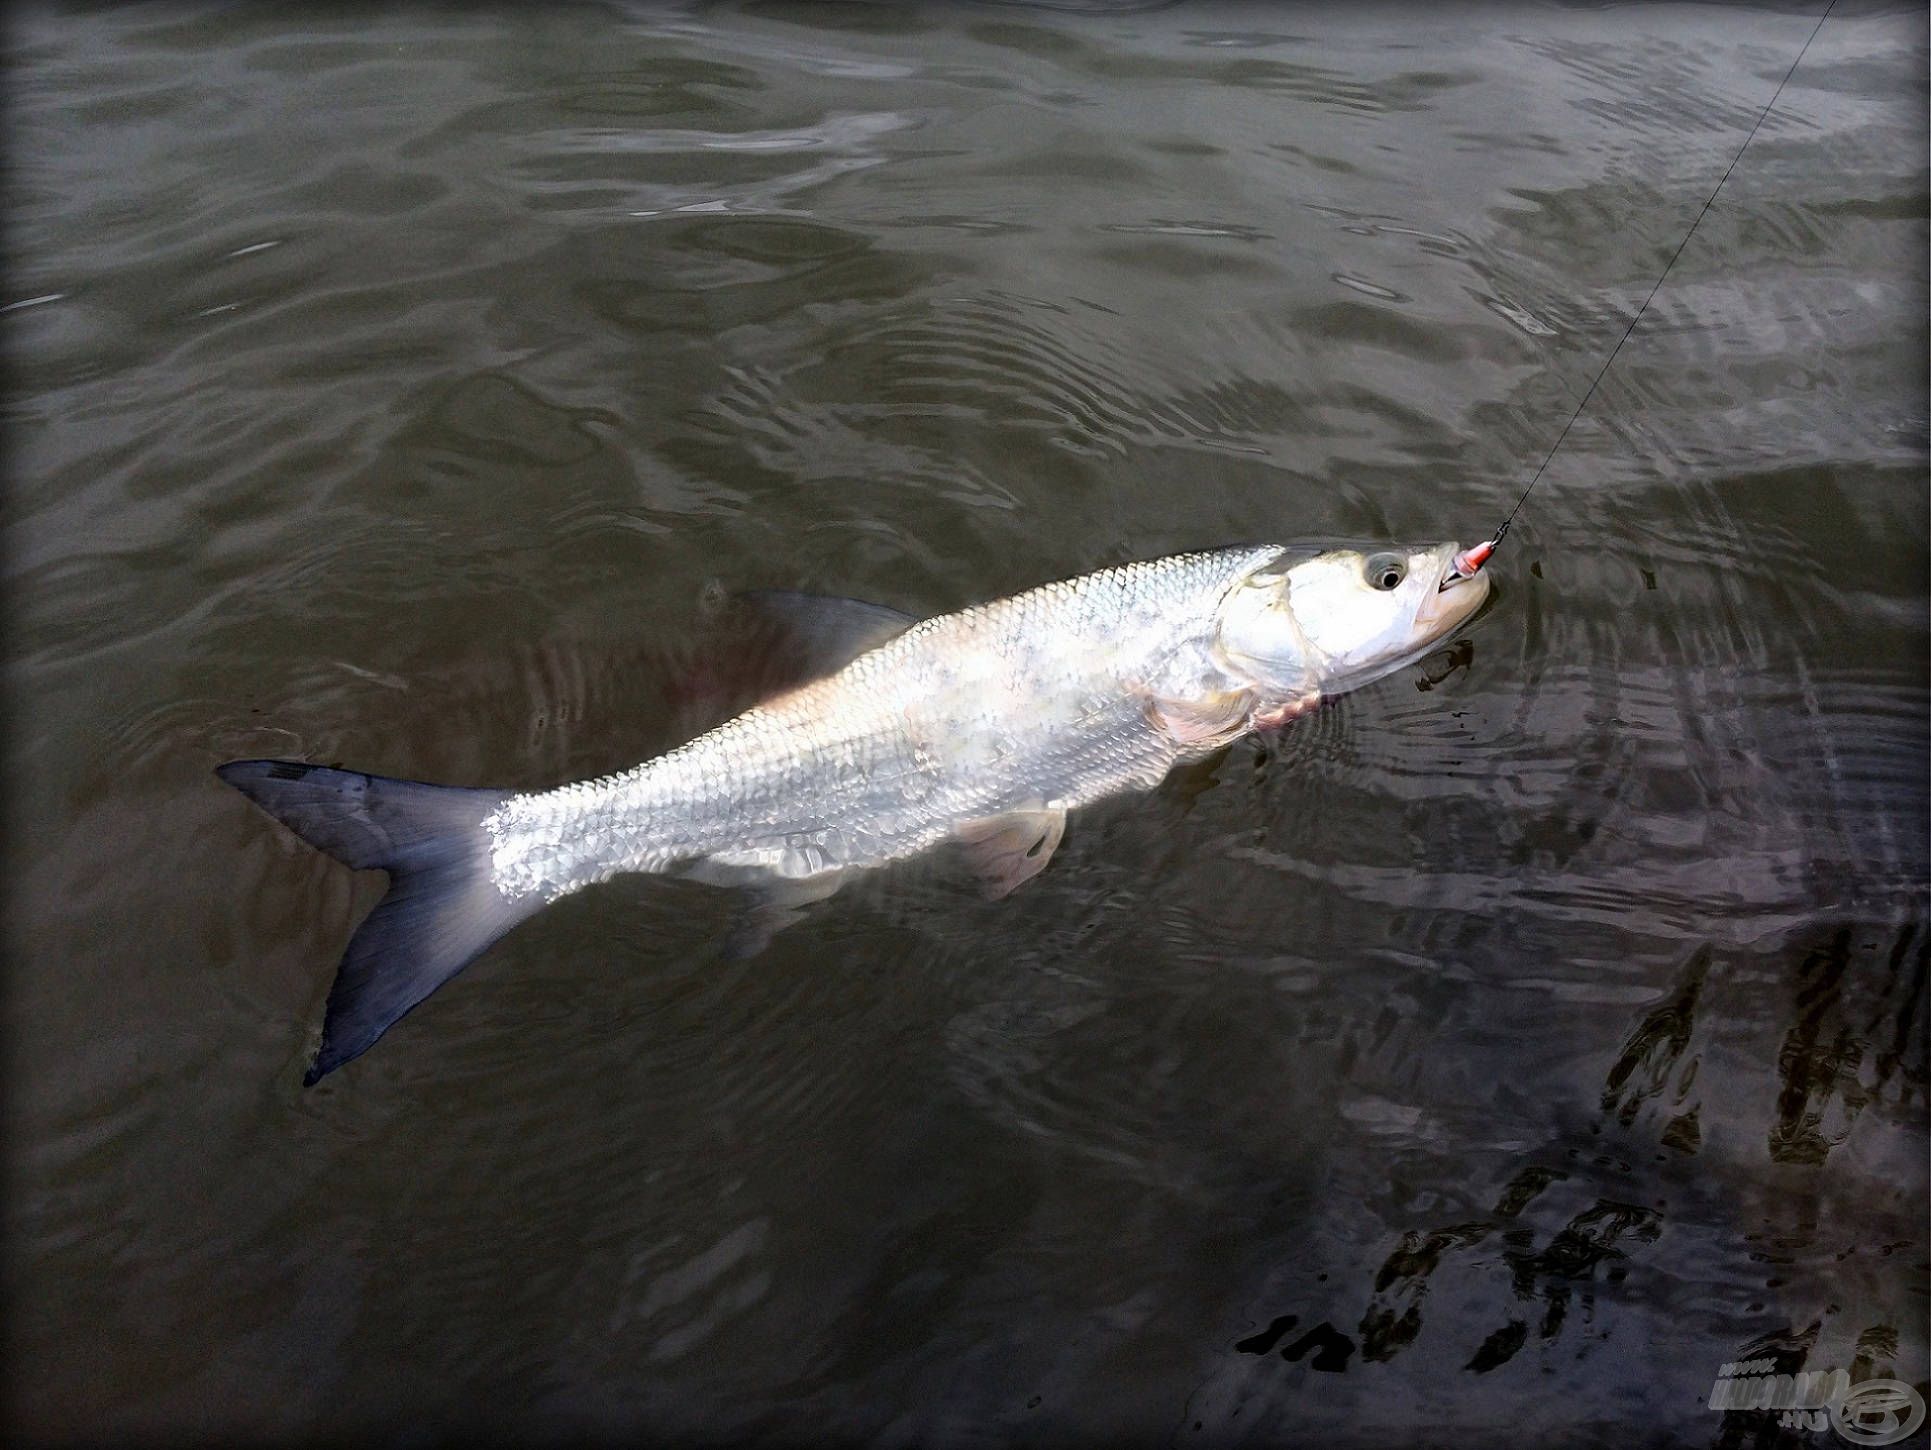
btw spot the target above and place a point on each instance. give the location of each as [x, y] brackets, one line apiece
[1509, 1045]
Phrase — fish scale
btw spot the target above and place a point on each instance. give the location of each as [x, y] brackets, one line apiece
[880, 761]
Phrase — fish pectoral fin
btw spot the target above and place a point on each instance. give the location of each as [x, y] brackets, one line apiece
[1006, 851]
[1204, 723]
[775, 906]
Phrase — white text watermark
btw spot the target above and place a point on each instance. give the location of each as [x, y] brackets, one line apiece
[1869, 1412]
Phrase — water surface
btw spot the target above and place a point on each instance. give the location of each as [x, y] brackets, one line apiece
[1503, 1049]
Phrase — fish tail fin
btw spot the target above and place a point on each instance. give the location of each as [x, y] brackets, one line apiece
[442, 909]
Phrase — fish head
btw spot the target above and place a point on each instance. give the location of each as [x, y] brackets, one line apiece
[1348, 616]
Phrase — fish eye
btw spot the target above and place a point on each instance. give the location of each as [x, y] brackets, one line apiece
[1385, 571]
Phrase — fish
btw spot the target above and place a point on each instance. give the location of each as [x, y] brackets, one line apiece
[982, 728]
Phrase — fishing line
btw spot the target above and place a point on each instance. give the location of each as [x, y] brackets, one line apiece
[1761, 117]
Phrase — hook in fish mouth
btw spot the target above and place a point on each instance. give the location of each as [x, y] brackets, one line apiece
[1466, 565]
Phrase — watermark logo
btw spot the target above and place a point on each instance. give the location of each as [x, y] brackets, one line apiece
[1878, 1412]
[1870, 1412]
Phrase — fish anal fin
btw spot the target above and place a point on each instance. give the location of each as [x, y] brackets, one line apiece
[1006, 851]
[774, 906]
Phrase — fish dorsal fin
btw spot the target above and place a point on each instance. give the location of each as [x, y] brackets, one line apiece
[763, 642]
[819, 634]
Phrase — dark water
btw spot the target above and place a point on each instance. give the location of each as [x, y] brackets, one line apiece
[1504, 1050]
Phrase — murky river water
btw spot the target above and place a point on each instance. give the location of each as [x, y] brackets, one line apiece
[1505, 1048]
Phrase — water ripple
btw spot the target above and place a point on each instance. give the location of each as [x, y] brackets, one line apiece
[404, 390]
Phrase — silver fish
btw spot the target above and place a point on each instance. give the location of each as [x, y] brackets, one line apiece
[983, 727]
